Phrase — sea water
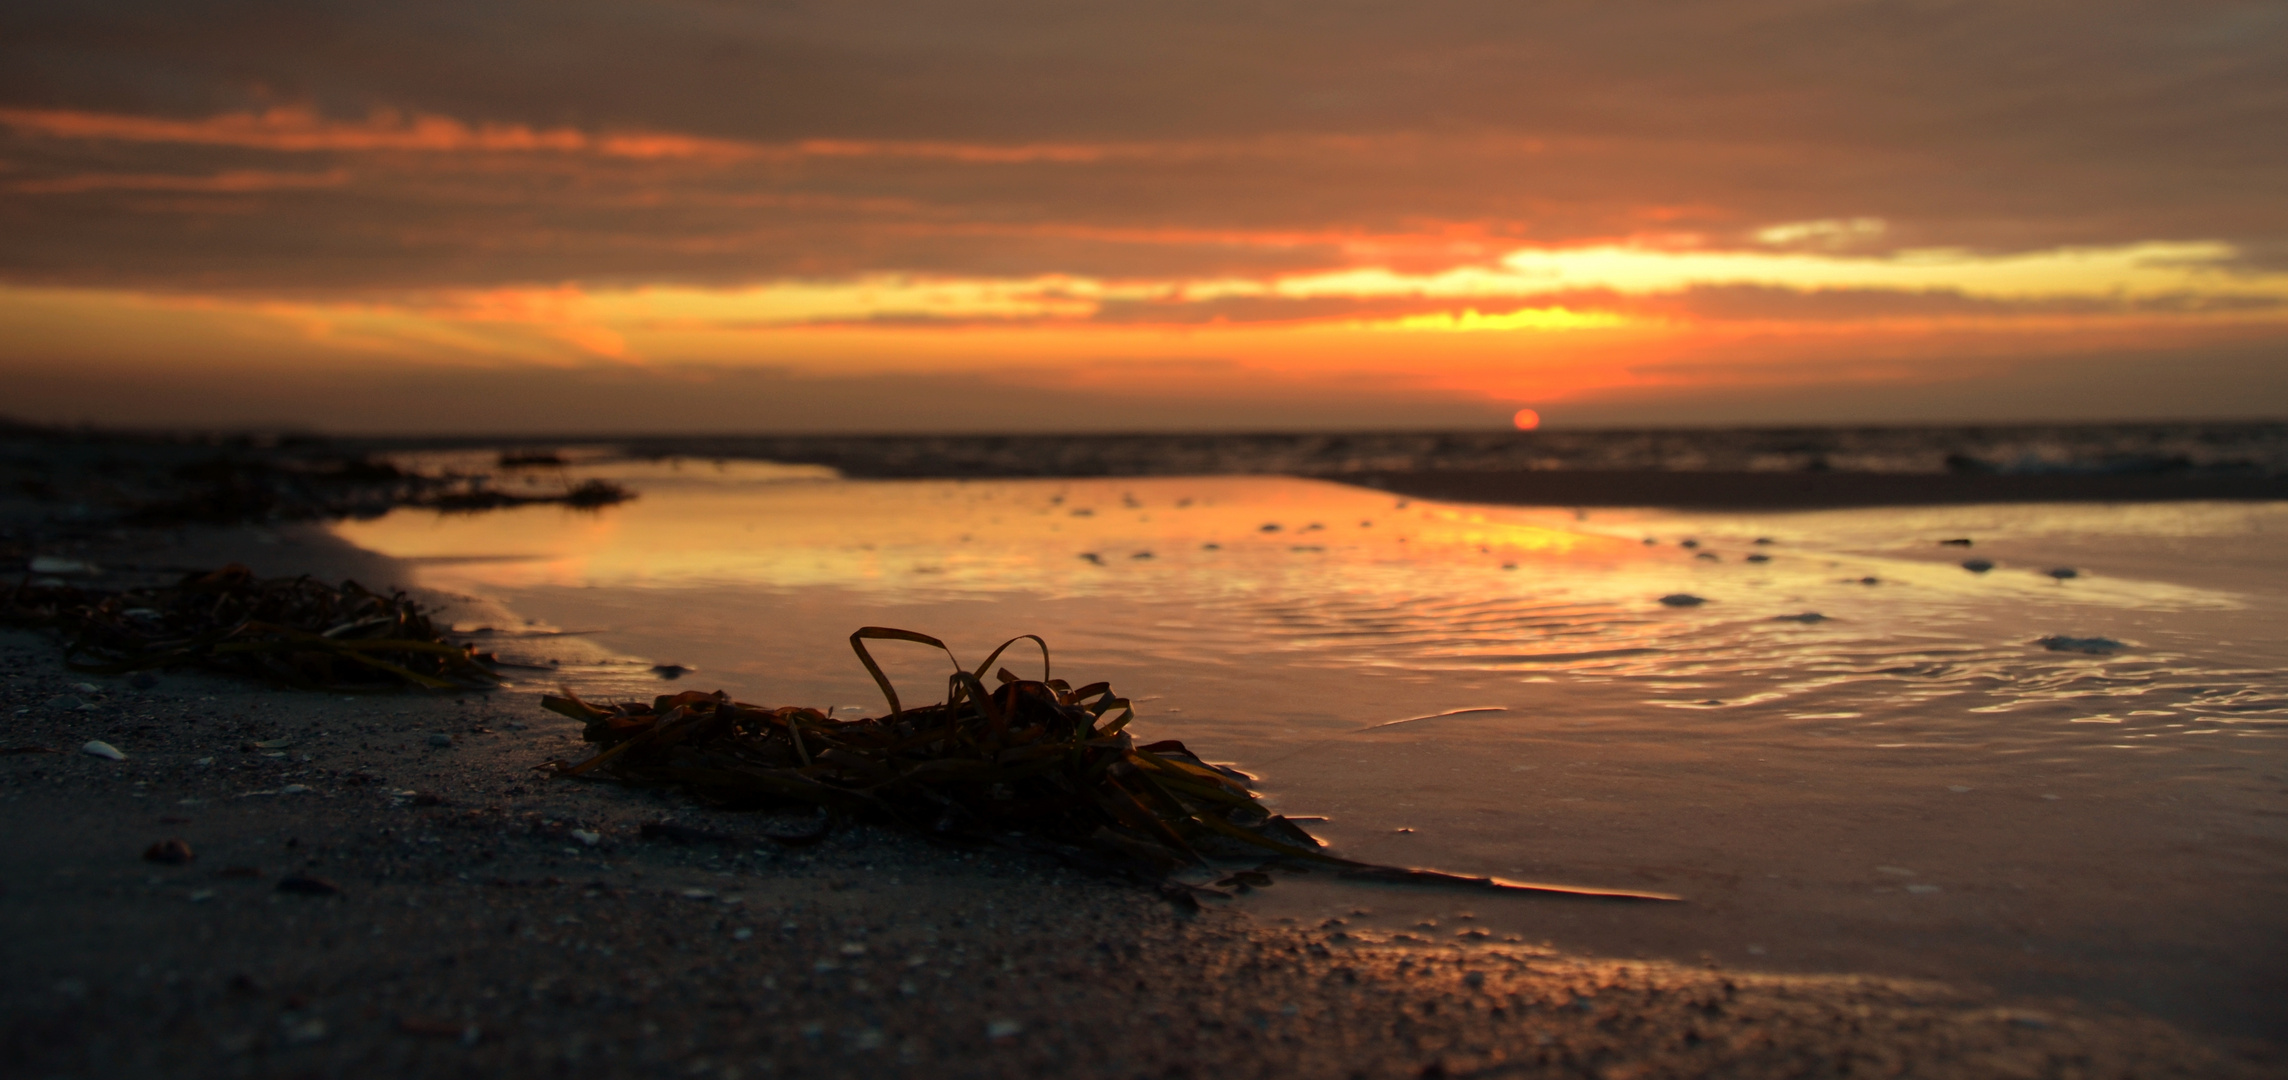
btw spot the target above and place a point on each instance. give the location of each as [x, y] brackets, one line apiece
[2061, 774]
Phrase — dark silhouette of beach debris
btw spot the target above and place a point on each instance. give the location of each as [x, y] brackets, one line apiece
[108, 478]
[308, 885]
[477, 495]
[531, 459]
[1038, 765]
[1978, 566]
[296, 631]
[1682, 600]
[2063, 573]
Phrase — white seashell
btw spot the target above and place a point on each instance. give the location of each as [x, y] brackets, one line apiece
[103, 750]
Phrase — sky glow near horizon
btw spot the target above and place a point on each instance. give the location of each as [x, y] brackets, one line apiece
[1606, 239]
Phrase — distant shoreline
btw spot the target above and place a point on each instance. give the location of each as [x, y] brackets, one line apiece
[1809, 490]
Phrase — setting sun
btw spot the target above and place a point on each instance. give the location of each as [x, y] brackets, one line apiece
[1526, 419]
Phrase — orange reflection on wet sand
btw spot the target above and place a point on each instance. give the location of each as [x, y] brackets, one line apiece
[765, 524]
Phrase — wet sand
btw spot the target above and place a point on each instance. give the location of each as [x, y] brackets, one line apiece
[477, 932]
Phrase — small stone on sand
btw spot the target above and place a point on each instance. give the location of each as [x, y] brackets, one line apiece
[2095, 646]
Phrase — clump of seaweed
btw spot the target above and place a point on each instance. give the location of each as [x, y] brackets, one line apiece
[1032, 758]
[296, 631]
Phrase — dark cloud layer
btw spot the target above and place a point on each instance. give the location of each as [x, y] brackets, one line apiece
[1207, 139]
[2086, 384]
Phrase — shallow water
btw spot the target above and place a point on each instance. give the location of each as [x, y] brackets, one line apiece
[1910, 783]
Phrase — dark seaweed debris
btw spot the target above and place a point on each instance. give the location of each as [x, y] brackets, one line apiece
[586, 495]
[296, 631]
[1039, 760]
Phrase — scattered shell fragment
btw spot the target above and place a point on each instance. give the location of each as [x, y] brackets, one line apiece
[101, 749]
[305, 1031]
[51, 564]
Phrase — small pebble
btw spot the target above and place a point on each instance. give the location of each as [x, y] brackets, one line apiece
[440, 739]
[1682, 600]
[1759, 557]
[1003, 1029]
[308, 885]
[2063, 573]
[305, 1031]
[173, 851]
[1805, 617]
[1977, 566]
[103, 750]
[588, 837]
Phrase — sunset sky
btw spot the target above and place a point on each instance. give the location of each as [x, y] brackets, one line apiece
[700, 216]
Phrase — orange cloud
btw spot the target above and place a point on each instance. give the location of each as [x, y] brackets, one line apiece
[297, 129]
[240, 181]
